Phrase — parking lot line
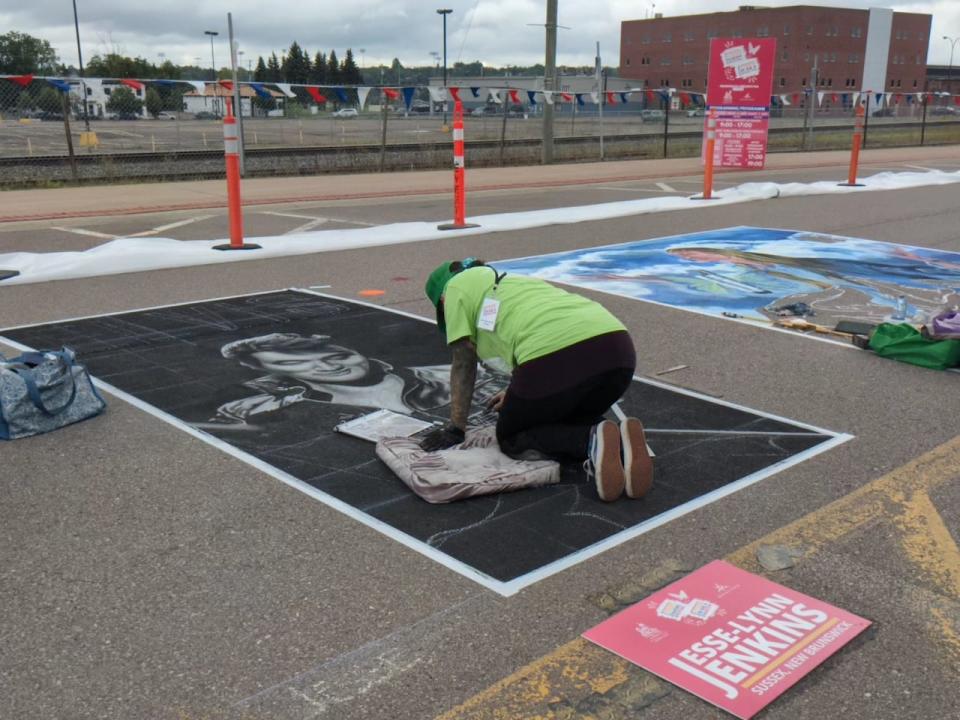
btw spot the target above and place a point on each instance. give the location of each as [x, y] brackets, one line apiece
[171, 226]
[81, 231]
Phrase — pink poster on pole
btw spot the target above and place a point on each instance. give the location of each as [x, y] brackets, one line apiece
[735, 639]
[739, 83]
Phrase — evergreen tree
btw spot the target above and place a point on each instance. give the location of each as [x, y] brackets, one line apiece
[296, 65]
[273, 69]
[333, 69]
[260, 74]
[153, 102]
[350, 73]
[318, 72]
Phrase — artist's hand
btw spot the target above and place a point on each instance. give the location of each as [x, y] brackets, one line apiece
[496, 402]
[442, 438]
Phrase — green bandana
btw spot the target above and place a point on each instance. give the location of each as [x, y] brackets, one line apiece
[434, 289]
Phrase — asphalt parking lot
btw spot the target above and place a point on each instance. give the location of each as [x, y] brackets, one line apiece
[145, 573]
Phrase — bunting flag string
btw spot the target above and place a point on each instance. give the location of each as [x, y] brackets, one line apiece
[225, 84]
[362, 93]
[135, 84]
[21, 80]
[285, 89]
[315, 93]
[262, 92]
[391, 94]
[61, 85]
[341, 94]
[408, 93]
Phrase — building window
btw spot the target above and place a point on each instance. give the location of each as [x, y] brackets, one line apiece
[688, 36]
[667, 37]
[829, 82]
[786, 29]
[856, 32]
[784, 56]
[806, 57]
[918, 59]
[833, 57]
[914, 83]
[687, 60]
[738, 33]
[763, 31]
[809, 29]
[783, 82]
[628, 62]
[803, 81]
[711, 34]
[645, 40]
[665, 61]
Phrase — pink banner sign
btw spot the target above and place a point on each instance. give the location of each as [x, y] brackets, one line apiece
[741, 138]
[734, 639]
[741, 71]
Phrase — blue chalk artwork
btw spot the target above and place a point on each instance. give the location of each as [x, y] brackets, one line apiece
[754, 272]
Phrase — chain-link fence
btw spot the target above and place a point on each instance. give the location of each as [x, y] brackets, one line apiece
[54, 129]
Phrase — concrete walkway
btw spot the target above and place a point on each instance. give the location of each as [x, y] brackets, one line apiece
[98, 200]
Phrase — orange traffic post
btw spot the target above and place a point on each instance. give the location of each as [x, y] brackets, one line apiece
[855, 149]
[231, 151]
[459, 175]
[708, 159]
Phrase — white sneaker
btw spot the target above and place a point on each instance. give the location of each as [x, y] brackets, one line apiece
[637, 463]
[603, 462]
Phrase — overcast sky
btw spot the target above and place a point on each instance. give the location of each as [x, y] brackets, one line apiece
[498, 32]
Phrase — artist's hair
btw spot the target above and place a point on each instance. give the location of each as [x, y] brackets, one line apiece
[459, 265]
[242, 350]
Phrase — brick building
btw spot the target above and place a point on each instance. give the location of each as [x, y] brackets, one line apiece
[673, 51]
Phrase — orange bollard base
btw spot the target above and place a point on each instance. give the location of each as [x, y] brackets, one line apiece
[241, 246]
[7, 274]
[701, 197]
[456, 226]
[850, 184]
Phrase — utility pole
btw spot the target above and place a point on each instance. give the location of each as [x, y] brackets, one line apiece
[237, 101]
[812, 102]
[549, 80]
[601, 96]
[443, 12]
[83, 85]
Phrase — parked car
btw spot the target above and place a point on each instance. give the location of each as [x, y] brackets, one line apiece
[695, 112]
[944, 110]
[166, 116]
[345, 113]
[652, 115]
[51, 116]
[420, 106]
[883, 112]
[206, 115]
[486, 110]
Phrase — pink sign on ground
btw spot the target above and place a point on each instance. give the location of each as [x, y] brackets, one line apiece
[730, 637]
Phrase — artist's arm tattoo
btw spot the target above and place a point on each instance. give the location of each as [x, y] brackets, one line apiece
[463, 376]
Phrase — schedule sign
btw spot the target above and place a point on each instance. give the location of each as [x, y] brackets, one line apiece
[739, 84]
[730, 637]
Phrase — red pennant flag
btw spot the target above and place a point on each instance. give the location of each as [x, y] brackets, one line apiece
[795, 98]
[611, 98]
[956, 100]
[567, 97]
[21, 80]
[514, 97]
[684, 98]
[317, 96]
[228, 84]
[391, 94]
[834, 97]
[897, 98]
[135, 84]
[649, 94]
[454, 93]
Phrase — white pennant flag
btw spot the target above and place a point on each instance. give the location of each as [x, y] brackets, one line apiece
[362, 93]
[548, 97]
[437, 94]
[200, 87]
[595, 98]
[820, 98]
[493, 95]
[285, 89]
[888, 98]
[785, 99]
[856, 98]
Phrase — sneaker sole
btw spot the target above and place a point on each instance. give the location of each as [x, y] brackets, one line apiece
[638, 466]
[610, 476]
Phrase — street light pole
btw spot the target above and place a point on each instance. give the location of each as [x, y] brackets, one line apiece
[83, 85]
[549, 80]
[213, 68]
[444, 12]
[953, 44]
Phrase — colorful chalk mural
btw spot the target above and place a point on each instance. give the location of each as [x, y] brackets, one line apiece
[753, 272]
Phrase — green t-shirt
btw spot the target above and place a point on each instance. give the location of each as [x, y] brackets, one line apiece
[534, 317]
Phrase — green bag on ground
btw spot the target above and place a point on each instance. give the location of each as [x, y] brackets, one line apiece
[904, 342]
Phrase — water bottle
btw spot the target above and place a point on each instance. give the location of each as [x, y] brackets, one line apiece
[901, 313]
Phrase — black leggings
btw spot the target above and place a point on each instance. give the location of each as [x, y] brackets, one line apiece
[559, 425]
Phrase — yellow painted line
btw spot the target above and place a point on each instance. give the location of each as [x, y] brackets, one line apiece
[555, 685]
[801, 643]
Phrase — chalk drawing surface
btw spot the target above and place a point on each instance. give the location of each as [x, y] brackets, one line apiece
[753, 271]
[268, 378]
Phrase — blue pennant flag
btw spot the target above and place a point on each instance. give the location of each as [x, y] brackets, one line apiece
[475, 91]
[878, 98]
[408, 93]
[664, 95]
[260, 90]
[164, 82]
[60, 85]
[580, 101]
[532, 94]
[624, 97]
[341, 94]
